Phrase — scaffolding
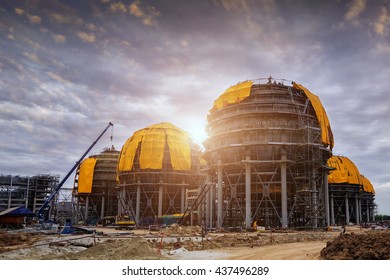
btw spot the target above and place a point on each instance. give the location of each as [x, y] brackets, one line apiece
[349, 203]
[29, 191]
[267, 160]
[102, 202]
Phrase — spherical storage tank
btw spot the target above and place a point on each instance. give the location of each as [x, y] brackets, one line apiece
[95, 186]
[157, 168]
[351, 194]
[267, 148]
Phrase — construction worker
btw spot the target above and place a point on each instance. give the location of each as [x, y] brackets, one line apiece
[254, 225]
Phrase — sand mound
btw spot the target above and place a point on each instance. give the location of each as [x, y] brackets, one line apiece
[127, 249]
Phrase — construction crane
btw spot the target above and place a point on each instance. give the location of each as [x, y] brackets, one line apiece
[39, 213]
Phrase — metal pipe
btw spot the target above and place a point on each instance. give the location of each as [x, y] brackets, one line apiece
[10, 193]
[283, 175]
[103, 205]
[346, 209]
[27, 191]
[357, 215]
[86, 209]
[212, 201]
[248, 218]
[160, 200]
[183, 199]
[220, 197]
[315, 200]
[207, 214]
[326, 191]
[332, 210]
[138, 204]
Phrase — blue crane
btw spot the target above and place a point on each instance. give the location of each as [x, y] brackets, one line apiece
[39, 213]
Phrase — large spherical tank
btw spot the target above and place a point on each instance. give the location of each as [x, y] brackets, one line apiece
[157, 168]
[272, 140]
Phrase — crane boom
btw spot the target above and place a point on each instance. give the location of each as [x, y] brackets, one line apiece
[58, 187]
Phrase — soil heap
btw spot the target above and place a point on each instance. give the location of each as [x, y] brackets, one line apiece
[127, 249]
[369, 246]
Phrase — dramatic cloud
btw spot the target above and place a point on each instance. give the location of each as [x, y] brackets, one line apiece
[148, 18]
[59, 38]
[69, 67]
[355, 9]
[86, 37]
[381, 25]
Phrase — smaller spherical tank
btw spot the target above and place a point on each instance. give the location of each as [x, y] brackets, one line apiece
[95, 186]
[351, 194]
[157, 167]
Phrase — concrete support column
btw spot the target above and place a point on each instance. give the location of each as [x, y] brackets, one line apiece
[357, 210]
[86, 208]
[326, 190]
[368, 213]
[212, 201]
[160, 200]
[346, 210]
[315, 198]
[103, 205]
[10, 193]
[283, 175]
[138, 204]
[248, 183]
[332, 220]
[122, 201]
[207, 198]
[220, 195]
[27, 190]
[183, 199]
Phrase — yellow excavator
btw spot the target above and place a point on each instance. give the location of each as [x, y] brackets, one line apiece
[124, 222]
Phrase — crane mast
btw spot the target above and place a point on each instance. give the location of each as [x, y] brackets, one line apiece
[59, 186]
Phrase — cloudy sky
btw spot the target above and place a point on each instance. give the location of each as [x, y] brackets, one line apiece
[67, 68]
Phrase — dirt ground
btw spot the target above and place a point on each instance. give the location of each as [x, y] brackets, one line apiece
[186, 243]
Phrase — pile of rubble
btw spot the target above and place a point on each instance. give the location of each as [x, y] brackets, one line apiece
[370, 246]
[126, 249]
[175, 230]
[15, 240]
[214, 241]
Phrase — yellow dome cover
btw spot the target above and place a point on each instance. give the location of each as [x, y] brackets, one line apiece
[367, 186]
[153, 140]
[345, 171]
[234, 94]
[326, 130]
[86, 171]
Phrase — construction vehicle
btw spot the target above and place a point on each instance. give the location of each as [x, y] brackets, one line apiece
[45, 205]
[124, 222]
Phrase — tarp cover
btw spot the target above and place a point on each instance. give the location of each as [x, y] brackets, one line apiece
[367, 186]
[179, 149]
[326, 131]
[87, 168]
[19, 211]
[345, 172]
[153, 140]
[234, 94]
[129, 149]
[152, 149]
